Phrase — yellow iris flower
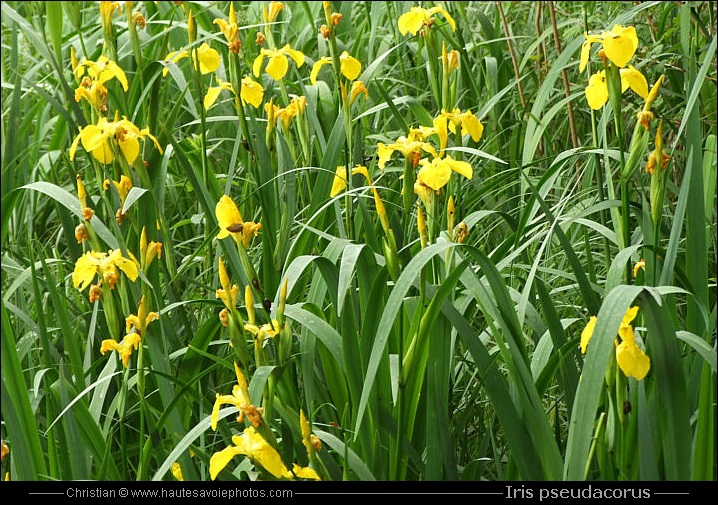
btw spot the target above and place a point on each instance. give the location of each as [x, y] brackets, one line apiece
[358, 88]
[411, 147]
[450, 121]
[412, 21]
[105, 265]
[231, 222]
[176, 470]
[107, 9]
[267, 330]
[296, 106]
[97, 139]
[131, 342]
[270, 14]
[250, 92]
[101, 71]
[309, 439]
[278, 64]
[239, 398]
[657, 159]
[631, 359]
[349, 66]
[136, 326]
[209, 59]
[256, 448]
[230, 30]
[437, 172]
[214, 91]
[123, 186]
[228, 292]
[93, 75]
[340, 181]
[597, 89]
[619, 45]
[468, 123]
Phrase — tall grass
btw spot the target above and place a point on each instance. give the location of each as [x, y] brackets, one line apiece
[257, 275]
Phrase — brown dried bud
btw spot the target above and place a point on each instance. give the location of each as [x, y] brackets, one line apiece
[81, 233]
[139, 20]
[95, 292]
[462, 231]
[87, 213]
[414, 158]
[224, 317]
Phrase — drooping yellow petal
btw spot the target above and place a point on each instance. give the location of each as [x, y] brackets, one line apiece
[257, 64]
[635, 80]
[221, 459]
[340, 181]
[383, 152]
[316, 67]
[411, 21]
[73, 147]
[129, 343]
[209, 59]
[585, 53]
[108, 345]
[297, 56]
[349, 66]
[130, 146]
[471, 125]
[227, 215]
[259, 451]
[630, 315]
[128, 266]
[305, 472]
[460, 167]
[620, 44]
[358, 87]
[446, 15]
[176, 470]
[277, 66]
[361, 169]
[94, 138]
[145, 132]
[213, 92]
[251, 92]
[434, 174]
[587, 333]
[173, 57]
[631, 359]
[111, 70]
[441, 128]
[85, 270]
[597, 90]
[211, 96]
[218, 402]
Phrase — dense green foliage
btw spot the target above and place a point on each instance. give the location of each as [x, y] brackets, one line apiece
[420, 306]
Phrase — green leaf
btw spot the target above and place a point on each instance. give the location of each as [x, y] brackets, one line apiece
[72, 204]
[26, 456]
